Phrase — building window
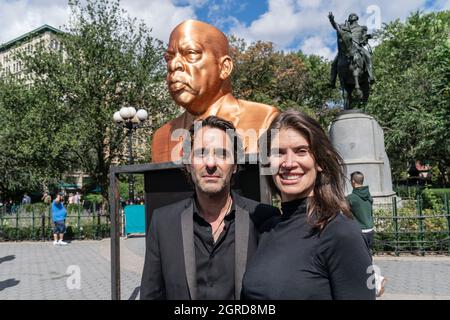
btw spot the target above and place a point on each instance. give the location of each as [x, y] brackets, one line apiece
[54, 44]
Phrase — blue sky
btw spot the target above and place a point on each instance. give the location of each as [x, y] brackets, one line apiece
[290, 24]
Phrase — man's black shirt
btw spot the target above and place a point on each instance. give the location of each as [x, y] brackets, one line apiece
[215, 261]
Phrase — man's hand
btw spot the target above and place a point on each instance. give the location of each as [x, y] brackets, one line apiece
[331, 16]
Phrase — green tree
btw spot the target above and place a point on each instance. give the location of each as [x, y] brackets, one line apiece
[411, 98]
[285, 80]
[30, 158]
[106, 60]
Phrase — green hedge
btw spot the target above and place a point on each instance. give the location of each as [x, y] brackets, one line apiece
[88, 231]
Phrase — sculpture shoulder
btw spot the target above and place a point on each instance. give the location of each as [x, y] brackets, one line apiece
[255, 112]
[161, 139]
[250, 106]
[168, 127]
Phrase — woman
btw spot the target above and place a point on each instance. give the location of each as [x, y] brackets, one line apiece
[314, 250]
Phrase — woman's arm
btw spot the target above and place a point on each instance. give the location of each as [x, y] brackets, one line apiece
[347, 259]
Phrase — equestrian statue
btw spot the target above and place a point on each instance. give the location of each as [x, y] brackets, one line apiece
[353, 63]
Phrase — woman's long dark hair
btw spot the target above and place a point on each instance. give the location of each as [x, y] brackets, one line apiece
[329, 198]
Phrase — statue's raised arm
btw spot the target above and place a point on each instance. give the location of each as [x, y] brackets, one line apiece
[331, 18]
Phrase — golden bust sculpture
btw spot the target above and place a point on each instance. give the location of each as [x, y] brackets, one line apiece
[198, 77]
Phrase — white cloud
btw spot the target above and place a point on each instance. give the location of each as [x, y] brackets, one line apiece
[161, 15]
[290, 22]
[308, 3]
[195, 3]
[315, 45]
[21, 16]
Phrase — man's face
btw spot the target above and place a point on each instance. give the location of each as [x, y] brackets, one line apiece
[212, 161]
[193, 69]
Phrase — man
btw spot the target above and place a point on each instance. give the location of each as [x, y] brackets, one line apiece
[26, 199]
[360, 39]
[59, 214]
[77, 198]
[198, 248]
[47, 199]
[198, 77]
[361, 202]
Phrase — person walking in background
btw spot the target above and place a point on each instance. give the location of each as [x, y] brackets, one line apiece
[71, 198]
[361, 202]
[47, 199]
[26, 199]
[77, 198]
[59, 214]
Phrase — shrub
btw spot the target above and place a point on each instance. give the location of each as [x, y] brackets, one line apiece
[87, 231]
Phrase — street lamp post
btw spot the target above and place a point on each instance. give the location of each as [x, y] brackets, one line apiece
[130, 119]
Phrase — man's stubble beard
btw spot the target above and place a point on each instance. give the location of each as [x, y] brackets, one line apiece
[224, 188]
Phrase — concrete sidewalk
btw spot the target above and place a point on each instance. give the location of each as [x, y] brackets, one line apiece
[39, 270]
[415, 278]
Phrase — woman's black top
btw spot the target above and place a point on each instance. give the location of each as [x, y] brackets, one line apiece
[293, 261]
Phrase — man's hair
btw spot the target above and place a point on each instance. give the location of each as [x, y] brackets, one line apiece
[358, 177]
[329, 198]
[216, 123]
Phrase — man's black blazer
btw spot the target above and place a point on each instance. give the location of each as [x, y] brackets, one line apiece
[170, 268]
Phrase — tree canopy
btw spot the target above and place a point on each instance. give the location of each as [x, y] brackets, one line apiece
[63, 121]
[411, 98]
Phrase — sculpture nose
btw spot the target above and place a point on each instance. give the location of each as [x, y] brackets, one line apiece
[175, 64]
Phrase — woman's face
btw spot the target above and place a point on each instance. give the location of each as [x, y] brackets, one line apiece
[293, 165]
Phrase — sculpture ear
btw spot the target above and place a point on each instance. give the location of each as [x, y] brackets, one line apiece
[226, 67]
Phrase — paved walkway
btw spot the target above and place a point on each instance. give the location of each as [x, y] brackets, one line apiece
[38, 270]
[415, 278]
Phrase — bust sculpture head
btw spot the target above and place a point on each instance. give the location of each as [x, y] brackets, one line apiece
[198, 78]
[198, 66]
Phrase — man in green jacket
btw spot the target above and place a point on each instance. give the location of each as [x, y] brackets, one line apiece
[361, 202]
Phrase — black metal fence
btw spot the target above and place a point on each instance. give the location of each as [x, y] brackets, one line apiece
[407, 226]
[31, 222]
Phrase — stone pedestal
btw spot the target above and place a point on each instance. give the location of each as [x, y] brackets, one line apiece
[359, 139]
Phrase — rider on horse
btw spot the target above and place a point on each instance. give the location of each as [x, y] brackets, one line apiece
[360, 39]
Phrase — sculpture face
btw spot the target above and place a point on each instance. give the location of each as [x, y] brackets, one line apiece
[194, 65]
[353, 17]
